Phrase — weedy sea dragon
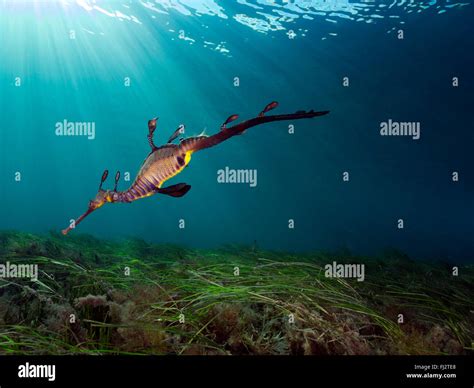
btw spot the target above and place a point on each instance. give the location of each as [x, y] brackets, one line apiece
[164, 162]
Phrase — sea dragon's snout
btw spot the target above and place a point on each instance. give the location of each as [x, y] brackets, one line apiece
[77, 221]
[100, 199]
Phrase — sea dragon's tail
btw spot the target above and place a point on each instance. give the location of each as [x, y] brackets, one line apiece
[194, 144]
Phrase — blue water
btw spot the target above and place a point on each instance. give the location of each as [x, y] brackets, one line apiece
[182, 58]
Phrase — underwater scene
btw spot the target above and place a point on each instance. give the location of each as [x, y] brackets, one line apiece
[250, 177]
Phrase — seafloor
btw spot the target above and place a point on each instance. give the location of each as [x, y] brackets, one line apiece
[177, 300]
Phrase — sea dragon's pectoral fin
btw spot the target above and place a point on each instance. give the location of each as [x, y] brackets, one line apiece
[177, 190]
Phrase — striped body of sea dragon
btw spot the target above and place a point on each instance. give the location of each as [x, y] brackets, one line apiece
[166, 161]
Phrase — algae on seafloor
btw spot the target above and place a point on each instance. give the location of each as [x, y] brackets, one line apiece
[132, 297]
